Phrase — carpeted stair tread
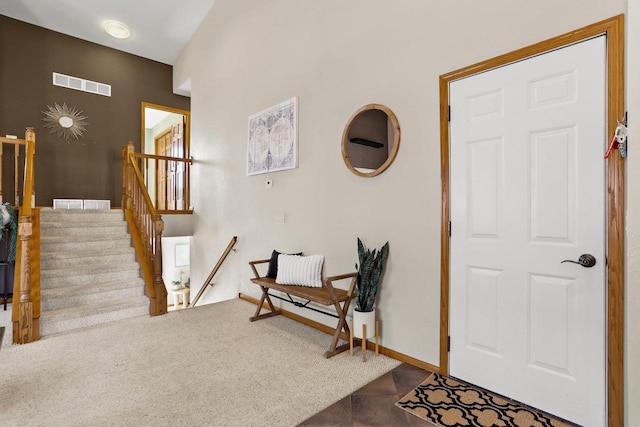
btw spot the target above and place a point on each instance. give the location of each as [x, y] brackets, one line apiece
[68, 229]
[96, 287]
[76, 259]
[71, 296]
[78, 215]
[84, 238]
[89, 269]
[83, 224]
[97, 308]
[60, 221]
[65, 319]
[88, 245]
[87, 279]
[57, 255]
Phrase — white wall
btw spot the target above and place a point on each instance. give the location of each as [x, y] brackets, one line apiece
[337, 56]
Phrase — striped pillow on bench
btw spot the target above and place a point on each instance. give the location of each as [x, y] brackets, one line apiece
[300, 270]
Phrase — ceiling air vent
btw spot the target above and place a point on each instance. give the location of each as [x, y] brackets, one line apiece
[81, 84]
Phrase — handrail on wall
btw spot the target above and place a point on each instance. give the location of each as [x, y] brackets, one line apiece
[207, 282]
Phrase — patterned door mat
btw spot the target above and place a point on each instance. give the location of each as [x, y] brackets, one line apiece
[448, 402]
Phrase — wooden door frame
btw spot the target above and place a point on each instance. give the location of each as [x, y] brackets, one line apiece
[613, 28]
[186, 130]
[158, 171]
[186, 135]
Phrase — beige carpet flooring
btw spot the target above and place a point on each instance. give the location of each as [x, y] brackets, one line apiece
[205, 366]
[5, 320]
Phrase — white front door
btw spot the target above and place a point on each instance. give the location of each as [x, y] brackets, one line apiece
[527, 192]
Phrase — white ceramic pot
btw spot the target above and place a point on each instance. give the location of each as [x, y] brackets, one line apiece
[364, 318]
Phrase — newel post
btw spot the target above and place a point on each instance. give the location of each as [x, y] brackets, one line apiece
[30, 136]
[127, 175]
[24, 331]
[160, 305]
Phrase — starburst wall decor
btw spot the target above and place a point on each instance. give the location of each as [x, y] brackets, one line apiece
[66, 122]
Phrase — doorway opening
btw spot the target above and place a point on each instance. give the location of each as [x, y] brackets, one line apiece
[165, 134]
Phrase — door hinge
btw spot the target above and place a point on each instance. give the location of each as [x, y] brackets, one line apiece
[448, 113]
[449, 343]
[449, 228]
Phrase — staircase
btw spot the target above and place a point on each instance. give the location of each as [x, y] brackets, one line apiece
[88, 271]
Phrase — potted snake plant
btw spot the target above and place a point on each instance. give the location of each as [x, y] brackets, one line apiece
[370, 269]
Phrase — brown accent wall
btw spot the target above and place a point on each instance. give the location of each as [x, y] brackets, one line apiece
[89, 168]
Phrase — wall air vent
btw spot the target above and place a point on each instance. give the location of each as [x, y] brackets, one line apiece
[81, 84]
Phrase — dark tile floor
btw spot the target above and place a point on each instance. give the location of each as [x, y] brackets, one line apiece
[374, 404]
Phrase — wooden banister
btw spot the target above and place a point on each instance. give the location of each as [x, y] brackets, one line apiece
[146, 227]
[26, 313]
[17, 143]
[172, 192]
[207, 282]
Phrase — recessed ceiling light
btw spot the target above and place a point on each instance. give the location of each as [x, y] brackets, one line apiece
[117, 29]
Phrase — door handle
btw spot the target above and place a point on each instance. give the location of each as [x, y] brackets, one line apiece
[585, 260]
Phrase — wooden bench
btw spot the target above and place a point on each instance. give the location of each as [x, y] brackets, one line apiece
[326, 295]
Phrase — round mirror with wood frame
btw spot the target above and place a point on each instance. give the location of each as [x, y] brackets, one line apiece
[370, 140]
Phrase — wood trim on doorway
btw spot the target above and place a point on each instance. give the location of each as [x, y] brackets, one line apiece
[613, 28]
[187, 124]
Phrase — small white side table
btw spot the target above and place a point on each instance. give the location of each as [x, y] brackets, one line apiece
[176, 297]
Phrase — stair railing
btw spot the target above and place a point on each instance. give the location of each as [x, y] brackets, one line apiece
[17, 143]
[207, 282]
[171, 179]
[25, 313]
[146, 227]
